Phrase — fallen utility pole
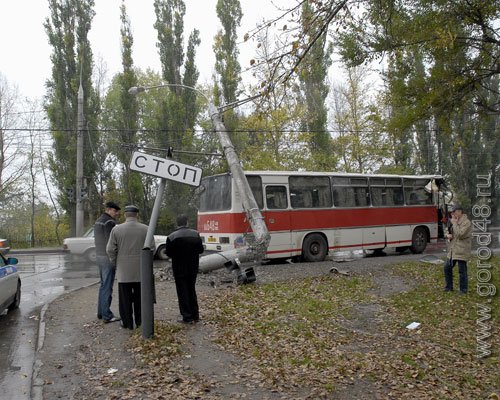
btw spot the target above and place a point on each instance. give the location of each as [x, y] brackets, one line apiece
[256, 250]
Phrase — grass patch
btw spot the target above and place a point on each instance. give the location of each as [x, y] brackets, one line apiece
[297, 333]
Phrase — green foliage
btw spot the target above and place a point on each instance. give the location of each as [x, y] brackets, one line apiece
[226, 51]
[173, 112]
[269, 143]
[16, 225]
[441, 83]
[67, 29]
[313, 74]
[120, 117]
[170, 27]
[359, 143]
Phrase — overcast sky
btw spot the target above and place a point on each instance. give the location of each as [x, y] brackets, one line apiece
[25, 53]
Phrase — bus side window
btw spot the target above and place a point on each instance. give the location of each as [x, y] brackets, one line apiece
[276, 197]
[310, 191]
[397, 196]
[360, 196]
[413, 198]
[344, 196]
[415, 191]
[389, 198]
[376, 194]
[255, 183]
[308, 200]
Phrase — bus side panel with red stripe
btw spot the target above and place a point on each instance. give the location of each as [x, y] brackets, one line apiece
[345, 229]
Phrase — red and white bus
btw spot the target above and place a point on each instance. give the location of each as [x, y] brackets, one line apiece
[309, 214]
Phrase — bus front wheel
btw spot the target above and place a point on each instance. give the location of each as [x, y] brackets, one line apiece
[314, 248]
[418, 240]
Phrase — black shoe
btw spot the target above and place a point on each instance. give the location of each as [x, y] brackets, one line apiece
[463, 292]
[114, 319]
[186, 321]
[122, 325]
[447, 290]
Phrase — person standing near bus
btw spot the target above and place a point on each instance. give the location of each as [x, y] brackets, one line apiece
[184, 246]
[102, 229]
[460, 239]
[124, 248]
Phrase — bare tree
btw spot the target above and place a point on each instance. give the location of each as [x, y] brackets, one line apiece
[11, 170]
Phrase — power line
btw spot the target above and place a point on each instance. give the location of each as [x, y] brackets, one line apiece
[108, 130]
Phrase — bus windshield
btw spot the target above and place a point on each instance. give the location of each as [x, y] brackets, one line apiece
[215, 193]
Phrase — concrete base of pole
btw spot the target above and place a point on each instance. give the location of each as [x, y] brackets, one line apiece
[147, 293]
[223, 259]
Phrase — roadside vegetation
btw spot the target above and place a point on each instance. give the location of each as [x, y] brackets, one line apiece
[338, 335]
[408, 87]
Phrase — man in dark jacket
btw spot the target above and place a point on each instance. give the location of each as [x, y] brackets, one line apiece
[184, 247]
[102, 229]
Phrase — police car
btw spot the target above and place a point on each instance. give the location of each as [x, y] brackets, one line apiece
[10, 284]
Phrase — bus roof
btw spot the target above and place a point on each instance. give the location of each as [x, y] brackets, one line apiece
[341, 174]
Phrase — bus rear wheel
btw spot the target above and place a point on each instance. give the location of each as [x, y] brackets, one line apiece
[418, 240]
[314, 248]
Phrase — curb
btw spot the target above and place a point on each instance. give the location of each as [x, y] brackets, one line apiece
[37, 383]
[41, 250]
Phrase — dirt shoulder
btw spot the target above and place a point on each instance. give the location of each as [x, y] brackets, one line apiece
[82, 358]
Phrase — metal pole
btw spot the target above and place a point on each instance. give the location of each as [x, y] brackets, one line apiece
[79, 165]
[147, 281]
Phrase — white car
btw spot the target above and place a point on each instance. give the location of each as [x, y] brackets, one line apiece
[84, 246]
[10, 284]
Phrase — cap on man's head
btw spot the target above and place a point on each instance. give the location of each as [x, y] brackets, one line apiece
[456, 207]
[132, 209]
[112, 204]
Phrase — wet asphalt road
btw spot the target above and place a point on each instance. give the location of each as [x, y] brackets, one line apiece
[44, 277]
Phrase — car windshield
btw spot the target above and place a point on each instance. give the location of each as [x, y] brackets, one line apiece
[89, 233]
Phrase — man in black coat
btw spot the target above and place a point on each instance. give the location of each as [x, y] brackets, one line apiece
[184, 246]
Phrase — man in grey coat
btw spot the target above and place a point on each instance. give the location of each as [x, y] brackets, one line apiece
[124, 249]
[459, 249]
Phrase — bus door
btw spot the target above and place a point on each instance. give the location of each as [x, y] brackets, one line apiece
[374, 237]
[277, 217]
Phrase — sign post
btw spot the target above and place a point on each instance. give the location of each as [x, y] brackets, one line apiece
[163, 168]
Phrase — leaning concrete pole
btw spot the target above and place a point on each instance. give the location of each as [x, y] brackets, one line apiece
[257, 249]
